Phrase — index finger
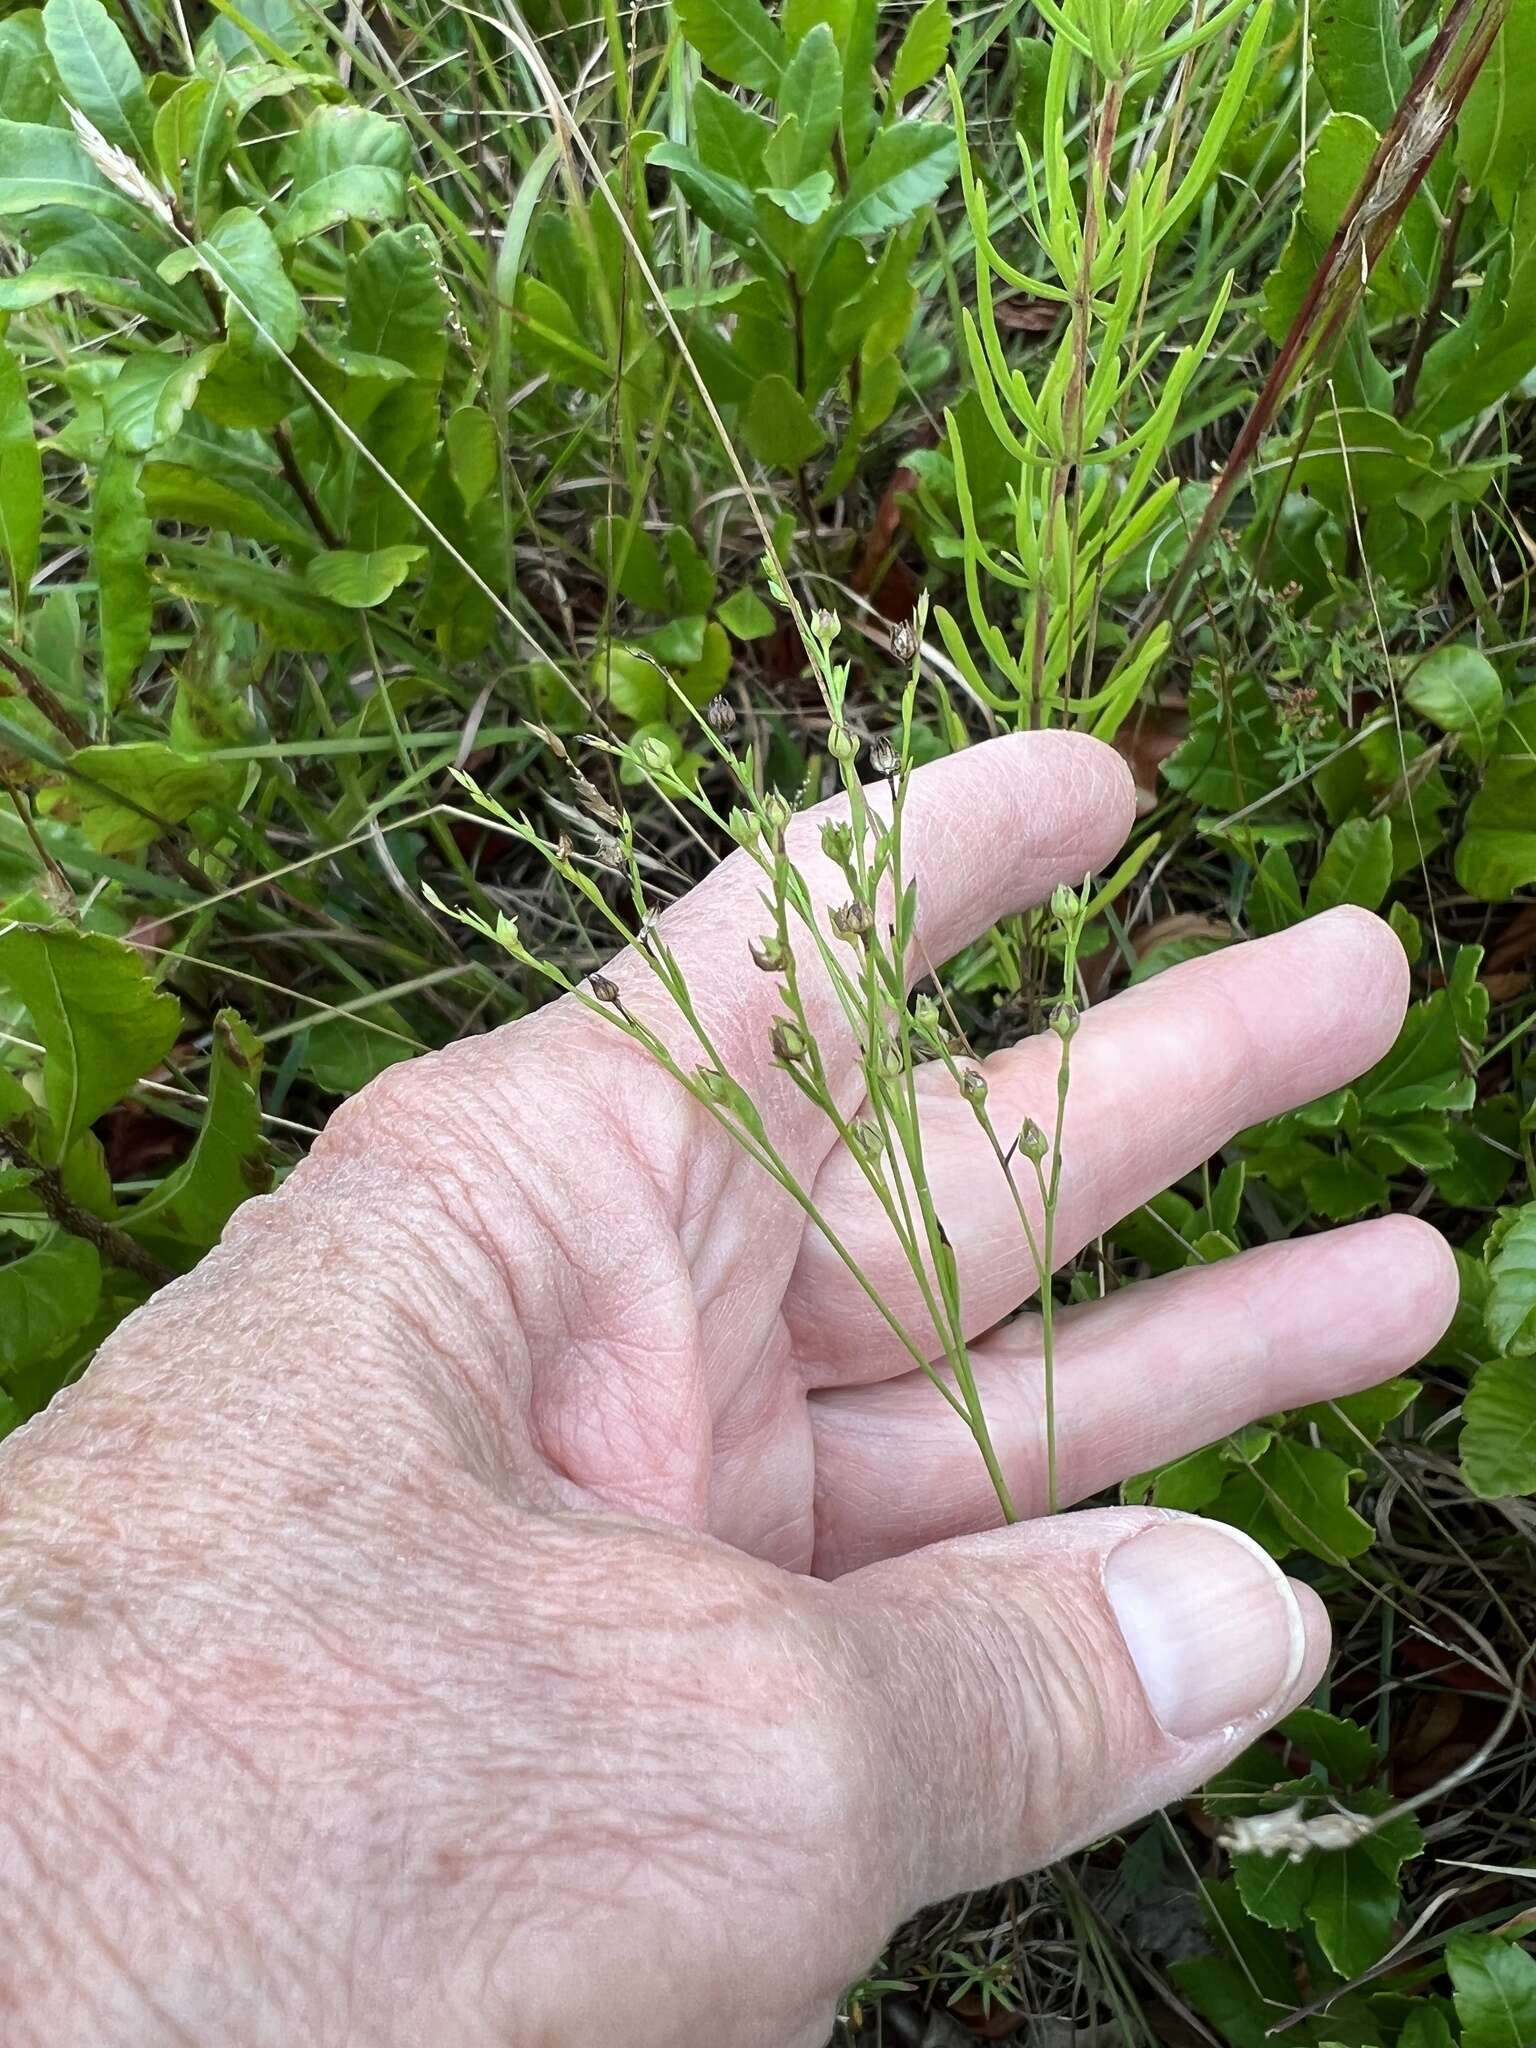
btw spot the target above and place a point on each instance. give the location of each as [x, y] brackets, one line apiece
[985, 832]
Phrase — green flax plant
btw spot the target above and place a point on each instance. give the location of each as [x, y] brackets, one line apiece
[1092, 488]
[862, 948]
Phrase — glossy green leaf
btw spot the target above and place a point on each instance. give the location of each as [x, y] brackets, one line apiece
[923, 51]
[780, 428]
[1494, 1984]
[1460, 690]
[812, 93]
[121, 536]
[151, 395]
[360, 580]
[21, 478]
[745, 616]
[1357, 52]
[244, 259]
[397, 303]
[1309, 1492]
[737, 40]
[908, 166]
[347, 163]
[227, 504]
[46, 1295]
[474, 460]
[1342, 1748]
[1498, 1428]
[1353, 1908]
[228, 1162]
[1510, 1311]
[97, 72]
[292, 614]
[128, 795]
[28, 88]
[730, 139]
[1356, 867]
[718, 200]
[1496, 130]
[44, 166]
[108, 262]
[1497, 853]
[101, 1021]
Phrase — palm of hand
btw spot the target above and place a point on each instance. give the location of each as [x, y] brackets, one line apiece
[518, 1416]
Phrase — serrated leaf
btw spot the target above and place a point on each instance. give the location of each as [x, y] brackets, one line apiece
[1309, 1494]
[1498, 1429]
[1510, 1313]
[1494, 1983]
[101, 1020]
[923, 52]
[1356, 867]
[1353, 1907]
[120, 541]
[358, 580]
[46, 1295]
[347, 163]
[1343, 1748]
[1274, 1889]
[129, 795]
[97, 72]
[228, 1163]
[21, 479]
[736, 39]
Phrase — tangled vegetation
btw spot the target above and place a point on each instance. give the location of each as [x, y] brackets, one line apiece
[405, 407]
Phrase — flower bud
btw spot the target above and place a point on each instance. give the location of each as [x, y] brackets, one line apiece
[825, 625]
[1064, 903]
[1032, 1141]
[837, 841]
[866, 1135]
[787, 1040]
[925, 1015]
[852, 920]
[653, 755]
[1065, 1019]
[777, 812]
[973, 1085]
[768, 953]
[843, 744]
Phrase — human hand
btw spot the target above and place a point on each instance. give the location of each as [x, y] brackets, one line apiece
[408, 1626]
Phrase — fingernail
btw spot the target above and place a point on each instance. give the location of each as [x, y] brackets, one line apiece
[1211, 1623]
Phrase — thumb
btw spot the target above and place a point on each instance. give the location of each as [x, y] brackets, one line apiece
[1040, 1686]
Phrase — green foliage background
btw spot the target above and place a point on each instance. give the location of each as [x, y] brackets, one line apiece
[384, 395]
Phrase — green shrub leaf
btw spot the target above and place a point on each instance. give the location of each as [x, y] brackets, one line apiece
[100, 1018]
[1495, 1990]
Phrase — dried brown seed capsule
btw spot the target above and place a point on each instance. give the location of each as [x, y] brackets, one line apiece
[603, 989]
[720, 715]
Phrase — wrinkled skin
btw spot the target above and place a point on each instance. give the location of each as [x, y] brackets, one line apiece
[513, 1588]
